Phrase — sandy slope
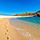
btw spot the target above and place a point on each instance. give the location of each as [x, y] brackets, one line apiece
[17, 31]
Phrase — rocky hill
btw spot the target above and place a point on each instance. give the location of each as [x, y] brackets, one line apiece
[30, 14]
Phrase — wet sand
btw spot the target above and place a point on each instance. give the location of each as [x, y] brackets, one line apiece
[17, 31]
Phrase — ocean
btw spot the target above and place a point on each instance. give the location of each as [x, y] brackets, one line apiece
[31, 19]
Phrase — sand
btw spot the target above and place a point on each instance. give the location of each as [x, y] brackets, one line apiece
[17, 31]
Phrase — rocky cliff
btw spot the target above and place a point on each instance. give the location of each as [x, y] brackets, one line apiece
[30, 14]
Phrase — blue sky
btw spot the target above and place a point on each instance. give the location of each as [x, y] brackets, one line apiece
[12, 7]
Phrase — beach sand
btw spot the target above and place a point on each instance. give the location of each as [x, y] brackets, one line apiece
[17, 30]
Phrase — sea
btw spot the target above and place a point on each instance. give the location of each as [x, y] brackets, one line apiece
[33, 21]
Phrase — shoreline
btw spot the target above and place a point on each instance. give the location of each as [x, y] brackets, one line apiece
[19, 30]
[26, 22]
[21, 25]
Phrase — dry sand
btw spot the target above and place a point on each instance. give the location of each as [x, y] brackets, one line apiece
[17, 31]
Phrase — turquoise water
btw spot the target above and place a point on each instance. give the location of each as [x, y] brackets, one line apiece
[31, 21]
[35, 20]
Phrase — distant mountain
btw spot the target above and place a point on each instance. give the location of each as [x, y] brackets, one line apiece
[30, 14]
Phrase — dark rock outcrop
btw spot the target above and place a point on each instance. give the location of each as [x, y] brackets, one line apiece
[38, 13]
